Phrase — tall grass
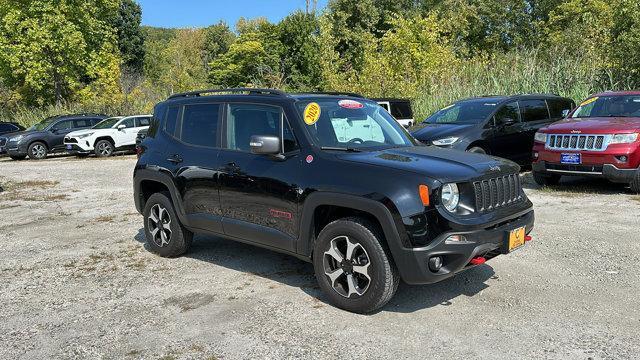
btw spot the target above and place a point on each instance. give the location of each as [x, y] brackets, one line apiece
[518, 72]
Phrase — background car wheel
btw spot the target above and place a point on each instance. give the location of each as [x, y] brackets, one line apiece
[19, 157]
[635, 183]
[82, 156]
[37, 151]
[353, 265]
[477, 150]
[165, 235]
[546, 179]
[104, 148]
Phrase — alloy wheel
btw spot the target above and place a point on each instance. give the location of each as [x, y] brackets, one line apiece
[105, 148]
[38, 151]
[346, 265]
[160, 225]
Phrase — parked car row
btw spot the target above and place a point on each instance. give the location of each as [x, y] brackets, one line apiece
[81, 134]
[598, 138]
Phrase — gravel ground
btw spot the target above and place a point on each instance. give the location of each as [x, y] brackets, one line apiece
[77, 282]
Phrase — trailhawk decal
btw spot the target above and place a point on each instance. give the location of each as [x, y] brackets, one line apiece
[312, 113]
[280, 214]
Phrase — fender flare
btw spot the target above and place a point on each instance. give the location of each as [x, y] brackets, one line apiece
[159, 176]
[376, 208]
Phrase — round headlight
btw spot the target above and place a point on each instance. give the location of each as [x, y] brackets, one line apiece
[450, 197]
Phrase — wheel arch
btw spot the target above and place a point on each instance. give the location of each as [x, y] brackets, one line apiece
[104, 137]
[480, 143]
[148, 182]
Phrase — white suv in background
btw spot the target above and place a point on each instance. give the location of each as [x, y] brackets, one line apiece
[116, 133]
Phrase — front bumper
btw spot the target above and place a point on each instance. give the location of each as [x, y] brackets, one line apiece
[78, 145]
[16, 149]
[607, 171]
[413, 263]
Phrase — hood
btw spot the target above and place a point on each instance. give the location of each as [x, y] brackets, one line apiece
[595, 125]
[445, 165]
[440, 131]
[84, 131]
[23, 132]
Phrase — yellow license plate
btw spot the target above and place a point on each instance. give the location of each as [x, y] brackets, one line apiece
[516, 238]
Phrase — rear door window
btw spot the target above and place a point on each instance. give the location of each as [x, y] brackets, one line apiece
[534, 110]
[558, 106]
[171, 120]
[510, 111]
[82, 123]
[128, 123]
[143, 121]
[63, 125]
[200, 124]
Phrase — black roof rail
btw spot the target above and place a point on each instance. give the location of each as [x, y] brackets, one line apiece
[337, 93]
[251, 91]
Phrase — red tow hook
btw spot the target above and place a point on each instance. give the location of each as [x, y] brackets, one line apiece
[528, 238]
[479, 260]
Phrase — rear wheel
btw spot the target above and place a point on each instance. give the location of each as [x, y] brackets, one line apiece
[165, 235]
[37, 151]
[104, 148]
[353, 265]
[546, 179]
[18, 157]
[635, 183]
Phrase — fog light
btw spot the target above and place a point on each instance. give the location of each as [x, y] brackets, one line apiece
[435, 263]
[622, 158]
[455, 239]
[535, 155]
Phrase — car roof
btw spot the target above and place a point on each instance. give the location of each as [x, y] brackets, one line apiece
[503, 98]
[391, 99]
[75, 116]
[617, 93]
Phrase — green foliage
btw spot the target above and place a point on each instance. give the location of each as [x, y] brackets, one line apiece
[130, 36]
[298, 34]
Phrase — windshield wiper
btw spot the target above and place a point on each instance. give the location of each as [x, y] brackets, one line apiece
[348, 149]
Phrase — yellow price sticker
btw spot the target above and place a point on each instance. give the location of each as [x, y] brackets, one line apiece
[589, 101]
[312, 113]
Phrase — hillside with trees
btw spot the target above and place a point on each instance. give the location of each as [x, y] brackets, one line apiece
[94, 55]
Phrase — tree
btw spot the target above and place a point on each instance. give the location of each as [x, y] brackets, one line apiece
[298, 34]
[49, 50]
[130, 36]
[218, 39]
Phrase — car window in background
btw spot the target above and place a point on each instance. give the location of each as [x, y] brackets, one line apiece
[128, 123]
[533, 110]
[5, 128]
[401, 110]
[609, 106]
[143, 121]
[82, 123]
[557, 107]
[509, 111]
[246, 120]
[107, 123]
[464, 112]
[171, 120]
[63, 125]
[200, 124]
[42, 124]
[386, 107]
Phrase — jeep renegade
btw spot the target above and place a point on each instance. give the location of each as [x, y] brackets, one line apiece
[330, 178]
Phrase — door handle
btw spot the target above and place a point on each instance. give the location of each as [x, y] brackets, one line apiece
[176, 159]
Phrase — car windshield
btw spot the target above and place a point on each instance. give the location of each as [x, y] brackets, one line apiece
[464, 112]
[347, 124]
[609, 106]
[42, 124]
[107, 123]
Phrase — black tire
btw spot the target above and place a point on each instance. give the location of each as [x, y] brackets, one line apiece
[546, 179]
[104, 148]
[383, 274]
[476, 150]
[635, 183]
[178, 239]
[18, 157]
[37, 150]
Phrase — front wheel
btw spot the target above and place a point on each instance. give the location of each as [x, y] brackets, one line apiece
[37, 151]
[165, 235]
[546, 179]
[477, 150]
[635, 183]
[104, 148]
[353, 265]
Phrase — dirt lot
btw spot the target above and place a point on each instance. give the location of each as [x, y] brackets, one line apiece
[76, 282]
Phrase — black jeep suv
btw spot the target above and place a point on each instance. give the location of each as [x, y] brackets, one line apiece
[332, 179]
[47, 136]
[498, 125]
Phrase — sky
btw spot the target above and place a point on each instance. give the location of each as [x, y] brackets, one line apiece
[200, 13]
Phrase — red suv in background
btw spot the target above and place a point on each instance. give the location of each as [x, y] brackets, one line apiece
[599, 138]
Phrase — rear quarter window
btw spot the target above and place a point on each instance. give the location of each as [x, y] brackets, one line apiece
[171, 119]
[534, 110]
[558, 106]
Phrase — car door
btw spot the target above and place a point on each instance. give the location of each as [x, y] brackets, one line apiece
[57, 133]
[192, 157]
[258, 193]
[507, 132]
[535, 115]
[127, 135]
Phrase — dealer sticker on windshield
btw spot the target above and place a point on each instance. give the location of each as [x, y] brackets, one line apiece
[350, 104]
[312, 113]
[589, 101]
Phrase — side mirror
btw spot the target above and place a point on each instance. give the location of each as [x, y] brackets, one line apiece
[121, 127]
[507, 122]
[565, 113]
[265, 145]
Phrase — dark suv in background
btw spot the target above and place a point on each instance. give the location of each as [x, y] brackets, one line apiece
[47, 136]
[331, 179]
[7, 128]
[503, 126]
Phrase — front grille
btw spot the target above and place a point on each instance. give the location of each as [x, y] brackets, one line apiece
[3, 141]
[70, 140]
[497, 192]
[578, 142]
